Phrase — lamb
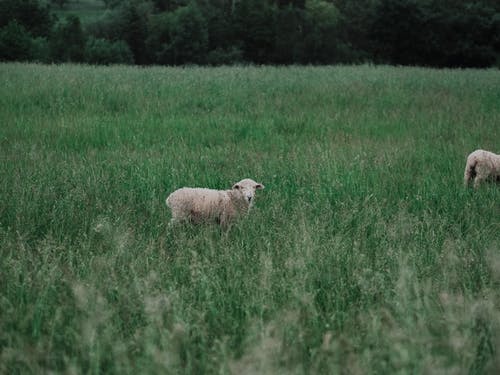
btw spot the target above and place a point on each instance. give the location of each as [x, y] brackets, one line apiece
[223, 206]
[480, 166]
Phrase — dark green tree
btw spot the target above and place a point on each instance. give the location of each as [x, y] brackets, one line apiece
[159, 30]
[474, 32]
[254, 27]
[223, 45]
[169, 5]
[355, 20]
[60, 3]
[31, 14]
[442, 33]
[67, 42]
[133, 30]
[103, 51]
[113, 3]
[218, 16]
[290, 26]
[179, 37]
[40, 50]
[397, 31]
[434, 33]
[108, 26]
[16, 43]
[322, 32]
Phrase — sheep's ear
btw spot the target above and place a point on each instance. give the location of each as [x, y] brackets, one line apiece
[236, 186]
[259, 186]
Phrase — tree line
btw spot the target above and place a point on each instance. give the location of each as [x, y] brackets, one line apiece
[437, 33]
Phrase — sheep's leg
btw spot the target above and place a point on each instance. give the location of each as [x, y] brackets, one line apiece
[173, 221]
[225, 219]
[177, 218]
[470, 170]
[468, 174]
[482, 174]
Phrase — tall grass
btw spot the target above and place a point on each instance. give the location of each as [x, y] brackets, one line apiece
[364, 254]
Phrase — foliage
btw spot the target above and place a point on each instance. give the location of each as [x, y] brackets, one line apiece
[220, 26]
[229, 56]
[67, 43]
[364, 253]
[103, 51]
[438, 33]
[133, 30]
[290, 39]
[15, 43]
[108, 26]
[254, 22]
[415, 32]
[31, 14]
[40, 50]
[60, 3]
[398, 30]
[321, 36]
[113, 3]
[181, 37]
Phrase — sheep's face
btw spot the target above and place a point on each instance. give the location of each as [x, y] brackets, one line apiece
[247, 188]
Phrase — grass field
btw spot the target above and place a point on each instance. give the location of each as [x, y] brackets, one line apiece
[363, 255]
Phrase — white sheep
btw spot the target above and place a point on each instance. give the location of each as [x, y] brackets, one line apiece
[480, 166]
[202, 205]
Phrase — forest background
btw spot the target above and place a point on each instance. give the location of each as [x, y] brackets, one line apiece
[435, 33]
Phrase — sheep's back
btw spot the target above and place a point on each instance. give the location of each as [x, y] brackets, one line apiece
[484, 156]
[196, 199]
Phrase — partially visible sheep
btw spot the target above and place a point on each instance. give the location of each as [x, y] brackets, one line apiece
[480, 166]
[200, 204]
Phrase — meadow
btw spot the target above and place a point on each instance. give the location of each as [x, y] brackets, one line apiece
[363, 255]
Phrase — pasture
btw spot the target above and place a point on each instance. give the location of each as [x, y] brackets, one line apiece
[364, 254]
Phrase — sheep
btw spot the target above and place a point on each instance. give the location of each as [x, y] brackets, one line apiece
[223, 206]
[480, 166]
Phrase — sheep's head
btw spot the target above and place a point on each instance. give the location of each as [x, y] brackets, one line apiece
[247, 188]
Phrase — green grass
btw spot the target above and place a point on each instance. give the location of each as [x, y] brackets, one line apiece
[364, 254]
